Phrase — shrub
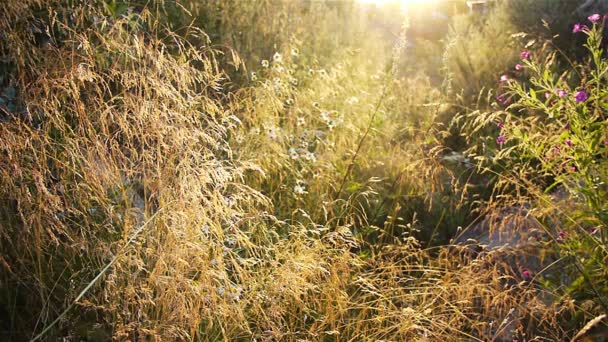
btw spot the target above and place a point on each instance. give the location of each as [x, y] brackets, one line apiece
[549, 151]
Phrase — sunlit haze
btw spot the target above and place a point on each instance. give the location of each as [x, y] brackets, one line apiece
[404, 2]
[303, 170]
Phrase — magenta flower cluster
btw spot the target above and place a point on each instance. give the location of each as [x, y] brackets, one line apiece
[594, 18]
[503, 100]
[561, 237]
[581, 96]
[578, 27]
[501, 139]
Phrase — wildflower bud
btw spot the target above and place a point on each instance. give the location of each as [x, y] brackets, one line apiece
[501, 139]
[594, 18]
[579, 28]
[581, 96]
[561, 236]
[556, 150]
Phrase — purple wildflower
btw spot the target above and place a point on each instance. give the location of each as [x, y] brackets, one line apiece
[501, 139]
[500, 125]
[556, 150]
[581, 96]
[567, 125]
[526, 274]
[525, 54]
[518, 67]
[569, 142]
[579, 28]
[502, 99]
[594, 18]
[561, 236]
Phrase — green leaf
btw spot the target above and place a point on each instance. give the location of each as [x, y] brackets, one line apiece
[354, 186]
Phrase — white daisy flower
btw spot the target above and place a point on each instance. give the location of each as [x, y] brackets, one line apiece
[277, 57]
[352, 100]
[299, 189]
[325, 116]
[273, 133]
[293, 154]
[310, 156]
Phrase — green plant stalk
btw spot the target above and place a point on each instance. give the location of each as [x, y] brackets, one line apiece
[99, 275]
[376, 110]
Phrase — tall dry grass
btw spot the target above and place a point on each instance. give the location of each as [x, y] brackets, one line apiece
[142, 200]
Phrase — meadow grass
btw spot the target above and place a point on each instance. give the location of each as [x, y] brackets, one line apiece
[170, 173]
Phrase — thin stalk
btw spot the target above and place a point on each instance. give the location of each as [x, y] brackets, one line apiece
[397, 50]
[99, 275]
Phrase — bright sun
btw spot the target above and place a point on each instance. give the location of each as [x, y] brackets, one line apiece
[405, 5]
[406, 2]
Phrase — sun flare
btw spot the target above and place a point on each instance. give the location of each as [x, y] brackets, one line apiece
[405, 5]
[401, 2]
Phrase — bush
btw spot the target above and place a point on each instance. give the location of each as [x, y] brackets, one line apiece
[550, 151]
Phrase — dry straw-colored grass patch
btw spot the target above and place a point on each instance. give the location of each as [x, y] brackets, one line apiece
[127, 213]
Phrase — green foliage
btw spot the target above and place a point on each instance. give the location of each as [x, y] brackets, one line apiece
[478, 49]
[555, 128]
[549, 149]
